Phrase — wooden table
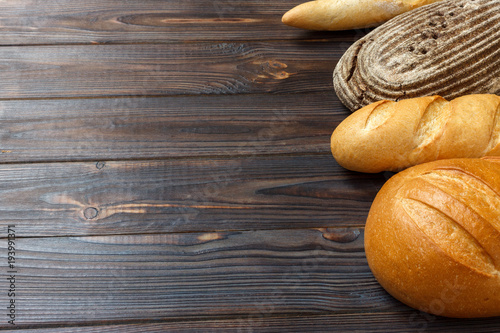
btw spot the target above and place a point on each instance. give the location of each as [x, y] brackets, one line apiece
[165, 167]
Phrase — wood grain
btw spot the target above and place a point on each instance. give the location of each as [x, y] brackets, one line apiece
[194, 276]
[223, 281]
[166, 127]
[149, 21]
[76, 71]
[132, 197]
[166, 165]
[387, 322]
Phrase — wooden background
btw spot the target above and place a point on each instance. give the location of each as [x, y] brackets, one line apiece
[166, 168]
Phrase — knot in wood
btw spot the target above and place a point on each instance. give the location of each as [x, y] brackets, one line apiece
[100, 165]
[342, 235]
[90, 213]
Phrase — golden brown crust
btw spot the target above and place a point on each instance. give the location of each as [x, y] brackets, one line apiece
[432, 237]
[347, 14]
[392, 136]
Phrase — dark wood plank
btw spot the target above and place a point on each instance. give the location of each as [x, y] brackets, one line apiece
[390, 322]
[69, 71]
[145, 128]
[183, 180]
[257, 280]
[149, 21]
[124, 197]
[187, 276]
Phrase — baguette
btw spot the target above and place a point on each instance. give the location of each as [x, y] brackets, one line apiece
[347, 14]
[432, 237]
[392, 136]
[449, 48]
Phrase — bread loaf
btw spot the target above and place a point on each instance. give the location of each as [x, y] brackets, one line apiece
[491, 158]
[432, 237]
[392, 136]
[449, 48]
[347, 14]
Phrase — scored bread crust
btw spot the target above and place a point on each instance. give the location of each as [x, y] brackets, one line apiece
[392, 136]
[432, 237]
[347, 14]
[449, 48]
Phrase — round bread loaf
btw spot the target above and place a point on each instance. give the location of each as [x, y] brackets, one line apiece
[449, 48]
[432, 237]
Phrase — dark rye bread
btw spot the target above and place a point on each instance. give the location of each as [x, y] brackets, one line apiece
[449, 48]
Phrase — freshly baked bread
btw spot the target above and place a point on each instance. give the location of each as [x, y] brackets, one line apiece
[491, 158]
[391, 136]
[432, 237]
[347, 14]
[449, 48]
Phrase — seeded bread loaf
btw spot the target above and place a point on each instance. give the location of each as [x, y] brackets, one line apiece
[432, 237]
[449, 48]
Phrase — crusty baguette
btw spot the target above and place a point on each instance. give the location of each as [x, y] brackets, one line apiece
[432, 237]
[347, 14]
[391, 136]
